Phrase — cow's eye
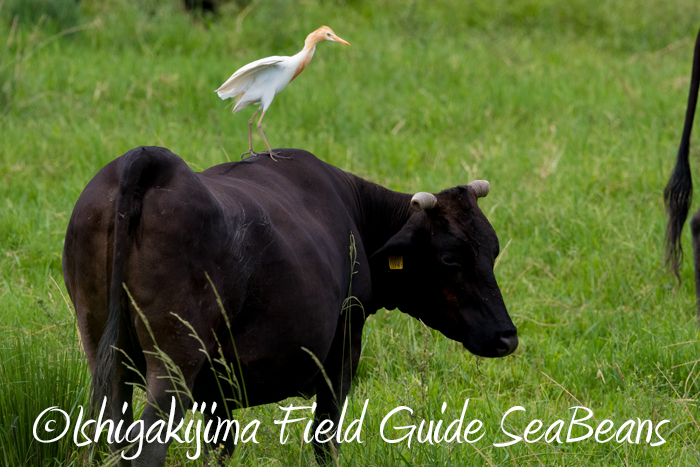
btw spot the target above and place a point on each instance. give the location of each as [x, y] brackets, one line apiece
[449, 260]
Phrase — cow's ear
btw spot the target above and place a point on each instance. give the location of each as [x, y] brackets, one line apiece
[400, 244]
[415, 231]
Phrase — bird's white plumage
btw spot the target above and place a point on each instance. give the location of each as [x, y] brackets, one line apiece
[241, 80]
[261, 80]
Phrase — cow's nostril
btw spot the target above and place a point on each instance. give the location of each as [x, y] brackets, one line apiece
[507, 343]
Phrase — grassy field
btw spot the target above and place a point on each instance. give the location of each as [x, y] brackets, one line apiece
[572, 110]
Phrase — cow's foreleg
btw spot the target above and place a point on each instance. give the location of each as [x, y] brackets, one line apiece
[340, 366]
[327, 409]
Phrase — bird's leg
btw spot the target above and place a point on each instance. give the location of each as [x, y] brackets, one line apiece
[269, 150]
[250, 136]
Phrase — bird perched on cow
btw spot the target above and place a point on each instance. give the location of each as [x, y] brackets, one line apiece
[260, 81]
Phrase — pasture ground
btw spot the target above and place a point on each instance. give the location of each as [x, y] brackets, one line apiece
[572, 110]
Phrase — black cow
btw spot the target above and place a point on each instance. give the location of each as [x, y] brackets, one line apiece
[274, 238]
[679, 190]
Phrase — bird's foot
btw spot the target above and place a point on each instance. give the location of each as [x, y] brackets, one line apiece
[272, 155]
[251, 152]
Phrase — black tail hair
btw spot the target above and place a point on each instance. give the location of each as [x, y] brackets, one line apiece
[140, 167]
[679, 190]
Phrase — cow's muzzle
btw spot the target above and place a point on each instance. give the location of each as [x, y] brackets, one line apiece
[507, 343]
[504, 343]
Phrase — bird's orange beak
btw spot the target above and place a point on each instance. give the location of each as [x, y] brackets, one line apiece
[338, 39]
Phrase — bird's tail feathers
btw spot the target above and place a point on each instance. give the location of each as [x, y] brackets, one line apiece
[239, 105]
[235, 85]
[225, 93]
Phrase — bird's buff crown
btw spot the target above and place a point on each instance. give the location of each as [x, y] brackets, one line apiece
[324, 33]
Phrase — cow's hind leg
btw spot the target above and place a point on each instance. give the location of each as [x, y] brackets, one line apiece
[170, 377]
[171, 374]
[158, 410]
[695, 230]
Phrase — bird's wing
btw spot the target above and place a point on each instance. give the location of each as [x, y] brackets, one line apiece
[244, 77]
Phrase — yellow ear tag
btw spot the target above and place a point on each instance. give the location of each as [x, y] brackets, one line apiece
[395, 262]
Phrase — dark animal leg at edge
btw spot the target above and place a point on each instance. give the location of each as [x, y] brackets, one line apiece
[695, 230]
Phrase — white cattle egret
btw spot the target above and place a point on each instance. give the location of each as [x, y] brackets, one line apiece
[260, 81]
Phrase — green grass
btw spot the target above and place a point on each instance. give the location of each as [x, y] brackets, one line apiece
[39, 371]
[572, 110]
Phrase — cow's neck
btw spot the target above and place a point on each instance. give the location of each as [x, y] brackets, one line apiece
[382, 213]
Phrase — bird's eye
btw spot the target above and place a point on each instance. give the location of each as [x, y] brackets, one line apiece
[328, 34]
[449, 260]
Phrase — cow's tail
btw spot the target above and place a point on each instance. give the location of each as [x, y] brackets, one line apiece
[141, 166]
[679, 190]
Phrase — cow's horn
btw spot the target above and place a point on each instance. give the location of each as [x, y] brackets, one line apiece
[481, 187]
[422, 201]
